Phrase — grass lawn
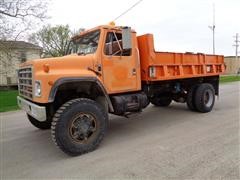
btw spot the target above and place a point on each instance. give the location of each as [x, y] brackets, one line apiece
[8, 100]
[224, 79]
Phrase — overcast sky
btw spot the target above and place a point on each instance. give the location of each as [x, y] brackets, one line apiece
[177, 25]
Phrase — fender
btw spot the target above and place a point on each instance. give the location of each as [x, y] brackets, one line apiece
[79, 79]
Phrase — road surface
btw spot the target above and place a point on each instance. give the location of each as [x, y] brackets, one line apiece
[160, 143]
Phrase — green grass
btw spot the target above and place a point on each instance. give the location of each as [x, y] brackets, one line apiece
[232, 78]
[8, 100]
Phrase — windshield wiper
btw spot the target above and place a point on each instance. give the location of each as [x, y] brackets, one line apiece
[80, 53]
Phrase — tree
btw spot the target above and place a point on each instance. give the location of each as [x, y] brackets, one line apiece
[17, 16]
[54, 40]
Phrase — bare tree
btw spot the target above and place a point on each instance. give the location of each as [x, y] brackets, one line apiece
[17, 16]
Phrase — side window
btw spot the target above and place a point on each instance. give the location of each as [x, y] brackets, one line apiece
[113, 45]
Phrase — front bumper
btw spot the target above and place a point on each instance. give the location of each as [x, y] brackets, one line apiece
[38, 112]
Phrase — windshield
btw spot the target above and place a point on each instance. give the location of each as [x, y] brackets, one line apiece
[85, 44]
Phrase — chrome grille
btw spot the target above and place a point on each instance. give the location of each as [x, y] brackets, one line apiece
[25, 83]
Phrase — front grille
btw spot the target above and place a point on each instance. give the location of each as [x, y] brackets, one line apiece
[25, 83]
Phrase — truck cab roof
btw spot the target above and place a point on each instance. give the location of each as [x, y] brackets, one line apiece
[109, 27]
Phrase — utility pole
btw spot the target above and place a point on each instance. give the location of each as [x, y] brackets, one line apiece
[213, 29]
[236, 44]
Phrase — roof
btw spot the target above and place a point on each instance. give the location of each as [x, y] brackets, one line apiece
[18, 45]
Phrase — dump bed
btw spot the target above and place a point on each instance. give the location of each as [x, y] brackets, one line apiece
[157, 66]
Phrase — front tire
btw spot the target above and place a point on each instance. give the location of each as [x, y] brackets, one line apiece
[204, 98]
[79, 126]
[39, 124]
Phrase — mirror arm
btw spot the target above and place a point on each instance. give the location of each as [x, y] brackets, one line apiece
[118, 42]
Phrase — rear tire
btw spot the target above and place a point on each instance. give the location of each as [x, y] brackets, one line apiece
[79, 126]
[204, 98]
[161, 101]
[191, 98]
[39, 124]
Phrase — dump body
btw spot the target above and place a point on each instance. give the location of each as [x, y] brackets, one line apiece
[156, 66]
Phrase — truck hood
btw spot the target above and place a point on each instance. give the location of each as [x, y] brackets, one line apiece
[65, 63]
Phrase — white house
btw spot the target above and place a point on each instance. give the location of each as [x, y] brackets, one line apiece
[12, 53]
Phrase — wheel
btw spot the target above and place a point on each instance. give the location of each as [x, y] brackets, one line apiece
[191, 98]
[39, 124]
[79, 126]
[204, 98]
[161, 101]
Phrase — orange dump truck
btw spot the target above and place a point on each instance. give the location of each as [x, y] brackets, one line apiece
[110, 69]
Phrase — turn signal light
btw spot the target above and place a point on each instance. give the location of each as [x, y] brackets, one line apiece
[46, 68]
[50, 83]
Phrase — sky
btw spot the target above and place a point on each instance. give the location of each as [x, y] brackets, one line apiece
[177, 25]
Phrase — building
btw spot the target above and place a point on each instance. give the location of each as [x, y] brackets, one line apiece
[12, 53]
[233, 65]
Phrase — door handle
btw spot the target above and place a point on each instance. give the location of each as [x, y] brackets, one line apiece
[134, 72]
[99, 67]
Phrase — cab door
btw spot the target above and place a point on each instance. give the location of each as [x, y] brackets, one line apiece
[121, 72]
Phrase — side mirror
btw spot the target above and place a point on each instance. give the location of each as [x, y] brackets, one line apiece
[127, 38]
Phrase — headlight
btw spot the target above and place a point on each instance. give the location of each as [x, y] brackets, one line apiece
[37, 88]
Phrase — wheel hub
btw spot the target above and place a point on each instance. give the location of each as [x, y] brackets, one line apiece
[208, 98]
[82, 127]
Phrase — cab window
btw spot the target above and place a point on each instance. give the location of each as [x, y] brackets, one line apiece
[113, 45]
[85, 44]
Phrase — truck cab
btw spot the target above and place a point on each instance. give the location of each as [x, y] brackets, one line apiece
[94, 55]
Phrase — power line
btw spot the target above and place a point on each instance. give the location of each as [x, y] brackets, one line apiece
[129, 9]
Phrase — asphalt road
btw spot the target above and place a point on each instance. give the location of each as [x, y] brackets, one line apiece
[160, 143]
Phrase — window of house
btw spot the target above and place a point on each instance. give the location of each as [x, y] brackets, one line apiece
[113, 45]
[23, 57]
